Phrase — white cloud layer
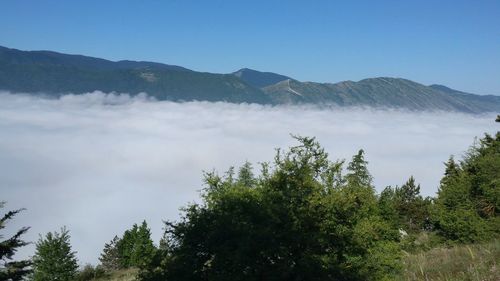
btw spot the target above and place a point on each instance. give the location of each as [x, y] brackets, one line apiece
[98, 163]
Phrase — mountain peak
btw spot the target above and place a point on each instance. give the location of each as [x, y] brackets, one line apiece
[259, 79]
[56, 74]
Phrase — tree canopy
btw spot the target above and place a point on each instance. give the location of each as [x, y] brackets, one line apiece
[10, 269]
[54, 259]
[300, 219]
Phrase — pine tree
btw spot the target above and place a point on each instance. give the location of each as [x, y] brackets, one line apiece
[358, 174]
[411, 207]
[110, 257]
[12, 270]
[54, 258]
[468, 202]
[143, 249]
[126, 245]
[135, 247]
[387, 204]
[245, 175]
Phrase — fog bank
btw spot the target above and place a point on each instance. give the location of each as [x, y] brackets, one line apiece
[98, 163]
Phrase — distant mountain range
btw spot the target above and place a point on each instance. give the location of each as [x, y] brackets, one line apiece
[56, 74]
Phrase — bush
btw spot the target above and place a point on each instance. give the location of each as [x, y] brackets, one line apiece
[89, 272]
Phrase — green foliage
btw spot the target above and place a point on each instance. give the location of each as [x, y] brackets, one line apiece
[298, 220]
[133, 249]
[405, 208]
[129, 274]
[358, 172]
[89, 272]
[143, 248]
[9, 269]
[468, 202]
[125, 246]
[54, 259]
[110, 257]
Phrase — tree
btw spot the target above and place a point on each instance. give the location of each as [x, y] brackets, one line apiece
[468, 202]
[358, 172]
[110, 257]
[9, 269]
[54, 258]
[89, 272]
[125, 246]
[245, 175]
[143, 249]
[299, 220]
[413, 210]
[135, 247]
[388, 209]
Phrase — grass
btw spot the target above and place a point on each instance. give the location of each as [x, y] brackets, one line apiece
[465, 262]
[478, 262]
[121, 275]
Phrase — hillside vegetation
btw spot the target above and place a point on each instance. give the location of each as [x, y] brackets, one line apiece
[476, 262]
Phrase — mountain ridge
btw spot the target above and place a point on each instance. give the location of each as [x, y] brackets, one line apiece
[56, 74]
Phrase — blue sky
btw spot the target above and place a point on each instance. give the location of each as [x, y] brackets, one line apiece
[456, 43]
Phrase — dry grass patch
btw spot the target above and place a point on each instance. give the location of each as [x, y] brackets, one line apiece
[459, 263]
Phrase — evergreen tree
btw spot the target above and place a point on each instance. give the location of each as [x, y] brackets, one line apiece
[54, 258]
[126, 246]
[358, 174]
[110, 257]
[143, 249]
[245, 175]
[412, 209]
[388, 203]
[468, 202]
[135, 247]
[12, 270]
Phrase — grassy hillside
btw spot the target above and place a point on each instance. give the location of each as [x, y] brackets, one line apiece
[459, 263]
[122, 275]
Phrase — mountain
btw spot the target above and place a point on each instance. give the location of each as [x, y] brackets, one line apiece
[259, 79]
[53, 73]
[381, 92]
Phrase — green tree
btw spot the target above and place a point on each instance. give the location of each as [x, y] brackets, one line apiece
[298, 221]
[468, 202]
[125, 246]
[388, 203]
[413, 210]
[110, 257]
[358, 174]
[143, 248]
[10, 269]
[89, 272]
[54, 258]
[245, 175]
[135, 247]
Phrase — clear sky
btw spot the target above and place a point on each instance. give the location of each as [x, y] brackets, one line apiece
[456, 43]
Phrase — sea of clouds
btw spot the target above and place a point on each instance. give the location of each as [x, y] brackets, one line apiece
[97, 163]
